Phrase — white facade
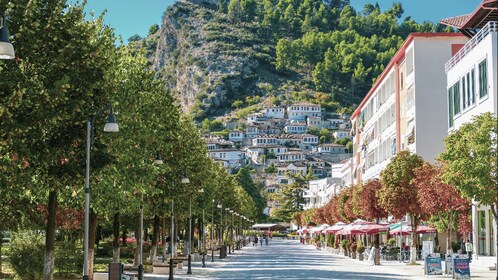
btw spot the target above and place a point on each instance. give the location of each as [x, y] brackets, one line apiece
[472, 90]
[319, 192]
[341, 134]
[291, 168]
[403, 110]
[264, 139]
[314, 121]
[309, 139]
[232, 157]
[471, 93]
[274, 112]
[299, 111]
[290, 157]
[331, 148]
[236, 136]
[295, 128]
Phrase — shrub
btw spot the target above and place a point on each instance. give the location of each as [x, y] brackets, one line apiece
[68, 258]
[344, 244]
[27, 255]
[455, 247]
[330, 240]
[360, 248]
[391, 241]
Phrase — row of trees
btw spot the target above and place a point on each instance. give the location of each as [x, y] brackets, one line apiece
[440, 194]
[66, 69]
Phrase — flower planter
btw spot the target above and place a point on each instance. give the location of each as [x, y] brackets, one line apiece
[360, 256]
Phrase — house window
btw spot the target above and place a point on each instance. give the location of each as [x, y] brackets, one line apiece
[464, 93]
[401, 81]
[456, 98]
[483, 79]
[450, 107]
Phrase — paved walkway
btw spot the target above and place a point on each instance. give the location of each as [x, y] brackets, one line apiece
[286, 259]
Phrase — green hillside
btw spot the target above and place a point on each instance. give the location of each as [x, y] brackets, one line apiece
[241, 54]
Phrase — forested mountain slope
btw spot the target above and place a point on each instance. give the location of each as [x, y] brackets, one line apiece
[240, 54]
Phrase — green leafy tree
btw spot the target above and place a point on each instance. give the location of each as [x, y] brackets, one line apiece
[153, 29]
[325, 136]
[134, 38]
[398, 193]
[243, 177]
[470, 159]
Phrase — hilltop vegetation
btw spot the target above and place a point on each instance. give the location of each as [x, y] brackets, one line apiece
[253, 52]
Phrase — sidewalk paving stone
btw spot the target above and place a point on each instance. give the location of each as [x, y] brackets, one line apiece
[288, 259]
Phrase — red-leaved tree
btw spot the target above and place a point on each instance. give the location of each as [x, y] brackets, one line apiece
[398, 193]
[440, 200]
[370, 209]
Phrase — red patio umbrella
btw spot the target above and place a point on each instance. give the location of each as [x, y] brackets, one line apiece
[406, 230]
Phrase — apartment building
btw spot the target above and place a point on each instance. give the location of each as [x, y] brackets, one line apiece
[471, 89]
[404, 108]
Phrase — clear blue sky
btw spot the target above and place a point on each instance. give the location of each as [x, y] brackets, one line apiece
[130, 17]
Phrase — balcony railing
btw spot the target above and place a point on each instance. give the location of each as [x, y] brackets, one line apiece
[491, 26]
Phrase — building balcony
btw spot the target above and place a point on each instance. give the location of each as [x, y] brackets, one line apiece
[490, 27]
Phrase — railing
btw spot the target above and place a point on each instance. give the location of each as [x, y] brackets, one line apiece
[491, 26]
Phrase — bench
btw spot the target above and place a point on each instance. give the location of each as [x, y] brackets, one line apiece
[100, 276]
[162, 268]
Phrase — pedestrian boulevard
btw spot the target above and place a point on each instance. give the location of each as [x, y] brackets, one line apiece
[283, 259]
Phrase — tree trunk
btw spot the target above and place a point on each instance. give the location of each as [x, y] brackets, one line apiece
[115, 242]
[449, 245]
[155, 236]
[413, 247]
[48, 267]
[91, 242]
[377, 250]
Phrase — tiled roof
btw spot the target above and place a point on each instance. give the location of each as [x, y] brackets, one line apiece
[456, 22]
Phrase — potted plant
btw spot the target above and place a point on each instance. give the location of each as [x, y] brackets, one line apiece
[353, 248]
[344, 245]
[360, 250]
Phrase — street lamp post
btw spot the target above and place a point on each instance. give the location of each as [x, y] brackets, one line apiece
[6, 48]
[185, 180]
[158, 160]
[212, 232]
[203, 242]
[220, 206]
[230, 247]
[189, 268]
[110, 126]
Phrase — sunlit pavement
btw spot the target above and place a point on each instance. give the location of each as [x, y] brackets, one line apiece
[283, 259]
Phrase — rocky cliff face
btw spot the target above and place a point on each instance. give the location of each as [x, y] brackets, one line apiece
[210, 62]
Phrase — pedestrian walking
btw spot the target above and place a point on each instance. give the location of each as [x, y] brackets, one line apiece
[266, 241]
[255, 241]
[261, 241]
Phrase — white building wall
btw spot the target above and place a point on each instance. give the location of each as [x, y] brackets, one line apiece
[486, 49]
[430, 55]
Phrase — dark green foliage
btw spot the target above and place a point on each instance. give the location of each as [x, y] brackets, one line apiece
[68, 259]
[244, 179]
[153, 29]
[26, 255]
[134, 38]
[323, 52]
